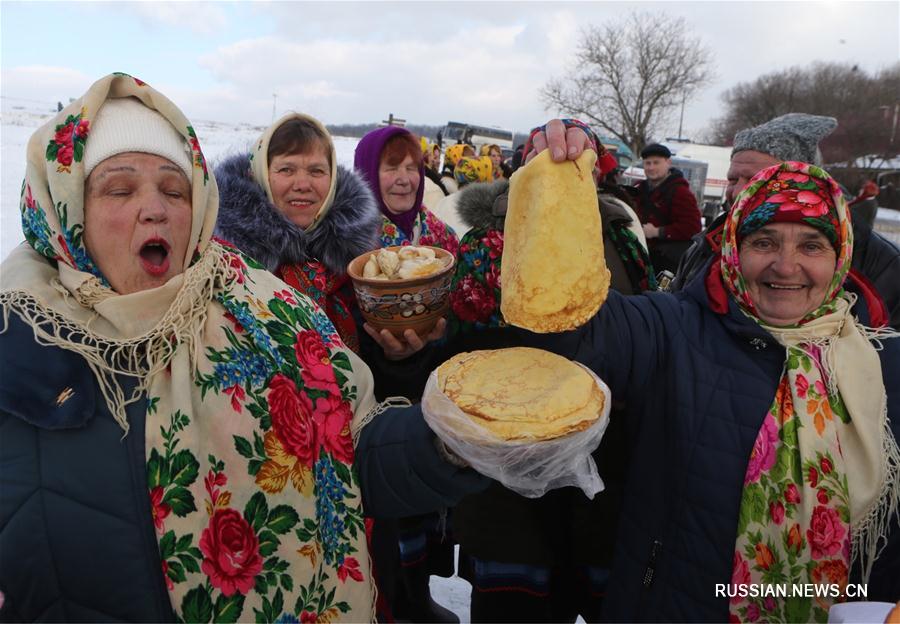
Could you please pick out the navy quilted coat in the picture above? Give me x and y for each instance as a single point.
(77, 541)
(698, 385)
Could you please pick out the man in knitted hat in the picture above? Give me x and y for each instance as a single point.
(795, 136)
(667, 208)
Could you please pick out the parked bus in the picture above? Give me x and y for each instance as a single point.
(457, 132)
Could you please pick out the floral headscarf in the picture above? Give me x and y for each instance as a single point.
(793, 197)
(822, 480)
(455, 152)
(787, 193)
(252, 400)
(470, 170)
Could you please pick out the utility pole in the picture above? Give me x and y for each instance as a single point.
(681, 121)
(274, 99)
(894, 126)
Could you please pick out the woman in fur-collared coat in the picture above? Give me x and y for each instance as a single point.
(290, 206)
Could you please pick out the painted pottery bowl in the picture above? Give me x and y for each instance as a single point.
(400, 304)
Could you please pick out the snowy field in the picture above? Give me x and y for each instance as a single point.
(218, 141)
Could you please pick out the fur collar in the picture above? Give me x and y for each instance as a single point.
(614, 209)
(475, 205)
(248, 220)
(478, 208)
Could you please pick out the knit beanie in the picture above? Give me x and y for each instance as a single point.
(125, 125)
(794, 136)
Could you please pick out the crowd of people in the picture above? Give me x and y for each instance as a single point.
(198, 424)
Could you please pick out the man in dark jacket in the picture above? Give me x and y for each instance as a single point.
(667, 208)
(795, 136)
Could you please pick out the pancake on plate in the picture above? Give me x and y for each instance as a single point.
(522, 394)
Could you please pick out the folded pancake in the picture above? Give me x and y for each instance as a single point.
(522, 393)
(554, 273)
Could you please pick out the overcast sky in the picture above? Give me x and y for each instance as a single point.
(427, 62)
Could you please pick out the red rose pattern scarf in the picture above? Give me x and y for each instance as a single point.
(252, 399)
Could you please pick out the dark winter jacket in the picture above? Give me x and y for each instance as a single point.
(77, 539)
(563, 528)
(249, 221)
(400, 471)
(875, 258)
(697, 385)
(671, 207)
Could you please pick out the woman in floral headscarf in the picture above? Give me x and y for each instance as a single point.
(764, 427)
(774, 339)
(290, 206)
(179, 425)
(498, 169)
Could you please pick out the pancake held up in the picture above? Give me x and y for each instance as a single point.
(553, 283)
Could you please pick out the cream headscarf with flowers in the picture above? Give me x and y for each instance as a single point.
(252, 399)
(823, 480)
(259, 162)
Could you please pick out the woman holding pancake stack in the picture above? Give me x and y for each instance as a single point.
(763, 415)
(546, 558)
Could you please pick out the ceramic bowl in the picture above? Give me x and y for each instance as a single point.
(400, 304)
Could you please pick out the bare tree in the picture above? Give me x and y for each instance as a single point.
(629, 75)
(863, 104)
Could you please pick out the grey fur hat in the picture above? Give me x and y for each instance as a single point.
(794, 136)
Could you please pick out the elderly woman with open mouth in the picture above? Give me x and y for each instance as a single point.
(184, 436)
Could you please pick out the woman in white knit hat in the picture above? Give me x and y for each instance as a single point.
(179, 439)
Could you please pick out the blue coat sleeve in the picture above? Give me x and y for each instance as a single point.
(626, 343)
(400, 471)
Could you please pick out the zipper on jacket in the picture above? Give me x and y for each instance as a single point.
(651, 563)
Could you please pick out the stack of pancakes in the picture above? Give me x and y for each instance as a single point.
(522, 394)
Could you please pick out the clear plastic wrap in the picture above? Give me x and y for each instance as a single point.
(527, 468)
